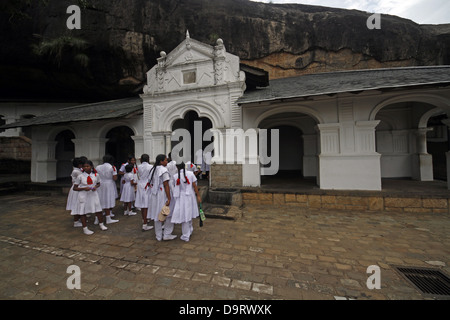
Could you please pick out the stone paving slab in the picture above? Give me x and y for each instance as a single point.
(268, 253)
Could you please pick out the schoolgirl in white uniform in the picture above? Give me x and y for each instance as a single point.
(160, 196)
(132, 161)
(185, 198)
(108, 191)
(143, 189)
(88, 201)
(72, 196)
(128, 195)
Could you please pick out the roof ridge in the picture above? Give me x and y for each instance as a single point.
(367, 70)
(98, 103)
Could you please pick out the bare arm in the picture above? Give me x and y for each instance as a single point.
(76, 188)
(167, 190)
(199, 199)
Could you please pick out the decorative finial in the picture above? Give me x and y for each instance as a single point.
(187, 34)
(163, 54)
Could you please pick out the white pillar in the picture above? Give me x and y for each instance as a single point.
(251, 172)
(156, 144)
(96, 150)
(422, 161)
(168, 143)
(43, 168)
(138, 145)
(344, 168)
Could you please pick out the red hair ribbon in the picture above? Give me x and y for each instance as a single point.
(148, 184)
(89, 180)
(160, 189)
(178, 181)
(114, 168)
(187, 180)
(134, 170)
(192, 165)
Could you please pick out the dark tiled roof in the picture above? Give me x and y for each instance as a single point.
(94, 111)
(347, 81)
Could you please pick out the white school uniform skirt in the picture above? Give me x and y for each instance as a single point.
(107, 192)
(71, 199)
(128, 194)
(185, 208)
(87, 202)
(157, 201)
(142, 195)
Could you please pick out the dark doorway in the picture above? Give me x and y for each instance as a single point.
(120, 144)
(64, 154)
(290, 154)
(188, 123)
(438, 145)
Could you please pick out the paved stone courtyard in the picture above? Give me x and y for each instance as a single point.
(269, 253)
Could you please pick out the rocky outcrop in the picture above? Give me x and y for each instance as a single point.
(125, 38)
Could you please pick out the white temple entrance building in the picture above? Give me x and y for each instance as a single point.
(340, 130)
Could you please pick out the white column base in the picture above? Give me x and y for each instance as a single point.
(350, 172)
(423, 167)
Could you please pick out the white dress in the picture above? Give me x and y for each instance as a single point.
(108, 190)
(87, 201)
(158, 197)
(72, 197)
(185, 201)
(127, 194)
(143, 187)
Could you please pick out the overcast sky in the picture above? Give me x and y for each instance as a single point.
(420, 11)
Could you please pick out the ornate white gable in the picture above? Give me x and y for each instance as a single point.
(193, 65)
(193, 77)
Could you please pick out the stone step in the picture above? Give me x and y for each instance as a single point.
(218, 211)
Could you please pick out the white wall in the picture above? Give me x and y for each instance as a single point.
(89, 141)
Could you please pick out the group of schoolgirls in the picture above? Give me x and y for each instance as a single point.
(167, 184)
(93, 191)
(151, 187)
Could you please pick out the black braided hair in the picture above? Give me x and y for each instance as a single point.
(179, 167)
(158, 161)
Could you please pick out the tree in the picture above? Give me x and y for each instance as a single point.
(63, 50)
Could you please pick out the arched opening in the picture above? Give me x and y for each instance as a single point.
(297, 147)
(120, 144)
(195, 125)
(412, 142)
(64, 154)
(438, 145)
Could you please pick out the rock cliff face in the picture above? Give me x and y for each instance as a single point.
(124, 39)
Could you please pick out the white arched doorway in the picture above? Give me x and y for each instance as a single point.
(402, 135)
(120, 144)
(297, 146)
(196, 127)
